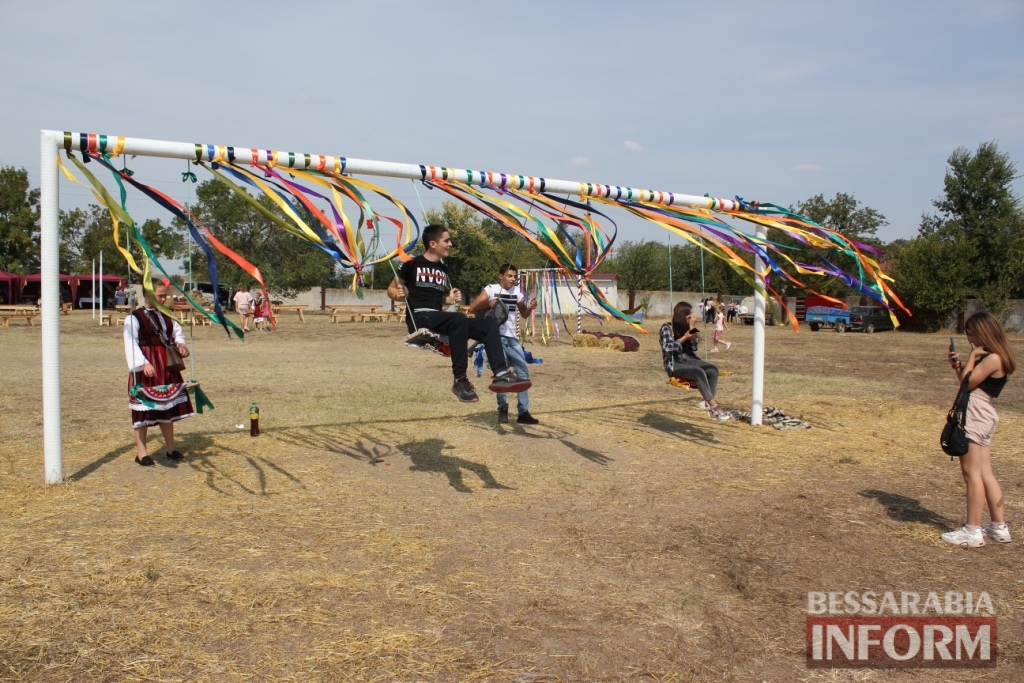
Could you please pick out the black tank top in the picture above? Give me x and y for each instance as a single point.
(993, 386)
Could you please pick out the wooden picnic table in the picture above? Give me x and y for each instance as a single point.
(122, 311)
(9, 311)
(298, 308)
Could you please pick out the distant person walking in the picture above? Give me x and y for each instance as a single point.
(243, 306)
(720, 326)
(990, 364)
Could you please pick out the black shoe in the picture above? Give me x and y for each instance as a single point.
(175, 455)
(464, 390)
(527, 419)
(145, 461)
(509, 383)
(503, 416)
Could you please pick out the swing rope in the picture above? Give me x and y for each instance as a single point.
(186, 177)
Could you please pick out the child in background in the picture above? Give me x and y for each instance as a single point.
(720, 327)
(261, 313)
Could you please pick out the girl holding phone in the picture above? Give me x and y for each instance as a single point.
(990, 364)
(680, 340)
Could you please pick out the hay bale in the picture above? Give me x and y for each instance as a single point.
(584, 340)
(615, 344)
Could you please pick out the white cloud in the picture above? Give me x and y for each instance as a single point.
(581, 161)
(807, 168)
(634, 147)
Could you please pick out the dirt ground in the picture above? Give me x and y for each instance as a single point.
(379, 530)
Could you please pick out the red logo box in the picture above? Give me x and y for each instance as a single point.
(901, 642)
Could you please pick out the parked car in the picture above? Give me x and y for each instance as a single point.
(870, 319)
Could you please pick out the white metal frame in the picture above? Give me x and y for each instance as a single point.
(52, 141)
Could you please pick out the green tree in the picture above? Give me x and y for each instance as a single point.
(19, 222)
(639, 266)
(842, 213)
(981, 214)
(288, 264)
(84, 233)
(930, 276)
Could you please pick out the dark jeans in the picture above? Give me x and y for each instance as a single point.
(460, 330)
(704, 374)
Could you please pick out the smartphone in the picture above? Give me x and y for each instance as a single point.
(952, 344)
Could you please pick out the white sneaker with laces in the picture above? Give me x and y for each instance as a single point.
(964, 538)
(996, 533)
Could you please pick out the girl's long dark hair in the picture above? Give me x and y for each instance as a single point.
(680, 324)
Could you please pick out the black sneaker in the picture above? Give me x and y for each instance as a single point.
(509, 383)
(503, 416)
(464, 390)
(527, 419)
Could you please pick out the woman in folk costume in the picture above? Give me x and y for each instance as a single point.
(157, 395)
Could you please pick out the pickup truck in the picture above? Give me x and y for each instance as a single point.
(817, 317)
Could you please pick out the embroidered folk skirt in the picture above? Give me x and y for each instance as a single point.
(163, 398)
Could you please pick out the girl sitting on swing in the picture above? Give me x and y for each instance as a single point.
(680, 340)
(147, 332)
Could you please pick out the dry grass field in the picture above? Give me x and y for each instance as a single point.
(379, 530)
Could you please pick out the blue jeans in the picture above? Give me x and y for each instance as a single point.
(516, 358)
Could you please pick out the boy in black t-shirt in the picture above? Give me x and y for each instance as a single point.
(423, 284)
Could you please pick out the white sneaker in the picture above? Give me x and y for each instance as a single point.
(703, 405)
(728, 345)
(964, 538)
(1001, 534)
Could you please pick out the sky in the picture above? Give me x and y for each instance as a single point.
(770, 101)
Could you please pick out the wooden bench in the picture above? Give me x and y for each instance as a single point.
(106, 319)
(29, 313)
(351, 312)
(298, 308)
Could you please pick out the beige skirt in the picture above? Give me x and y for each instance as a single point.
(981, 418)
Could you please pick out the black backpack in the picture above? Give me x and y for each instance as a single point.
(954, 434)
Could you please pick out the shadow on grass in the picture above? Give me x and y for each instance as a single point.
(544, 432)
(679, 429)
(202, 454)
(103, 460)
(904, 509)
(427, 456)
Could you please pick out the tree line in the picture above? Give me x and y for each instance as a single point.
(971, 246)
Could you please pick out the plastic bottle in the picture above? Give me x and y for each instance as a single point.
(254, 419)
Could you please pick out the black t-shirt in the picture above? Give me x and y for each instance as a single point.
(427, 282)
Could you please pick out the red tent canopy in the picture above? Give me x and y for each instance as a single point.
(70, 280)
(85, 280)
(12, 280)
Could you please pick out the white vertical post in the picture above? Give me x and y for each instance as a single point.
(49, 253)
(92, 292)
(757, 388)
(579, 305)
(101, 288)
